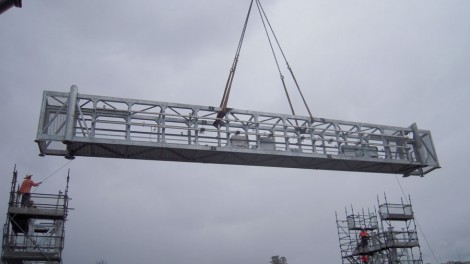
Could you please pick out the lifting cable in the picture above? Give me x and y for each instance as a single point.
(45, 179)
(417, 223)
(263, 18)
(228, 85)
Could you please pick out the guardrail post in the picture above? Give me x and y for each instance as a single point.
(71, 105)
(419, 149)
(70, 119)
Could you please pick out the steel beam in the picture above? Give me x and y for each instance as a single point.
(73, 124)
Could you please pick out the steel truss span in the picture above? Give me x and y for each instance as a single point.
(73, 124)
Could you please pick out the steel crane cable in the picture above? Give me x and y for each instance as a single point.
(228, 85)
(263, 18)
(419, 226)
(45, 179)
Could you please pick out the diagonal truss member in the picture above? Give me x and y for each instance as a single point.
(73, 124)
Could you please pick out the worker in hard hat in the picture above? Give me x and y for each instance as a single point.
(25, 190)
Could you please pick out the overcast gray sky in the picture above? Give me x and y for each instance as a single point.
(385, 62)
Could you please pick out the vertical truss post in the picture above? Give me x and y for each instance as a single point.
(69, 126)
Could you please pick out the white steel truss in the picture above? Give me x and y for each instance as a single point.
(73, 124)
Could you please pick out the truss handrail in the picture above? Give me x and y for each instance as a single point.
(129, 128)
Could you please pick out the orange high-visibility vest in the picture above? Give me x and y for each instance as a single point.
(363, 233)
(26, 186)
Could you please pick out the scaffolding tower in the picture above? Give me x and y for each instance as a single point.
(399, 232)
(386, 237)
(34, 233)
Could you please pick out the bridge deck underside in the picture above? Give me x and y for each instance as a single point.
(236, 156)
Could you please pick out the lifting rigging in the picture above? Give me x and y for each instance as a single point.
(269, 34)
(73, 124)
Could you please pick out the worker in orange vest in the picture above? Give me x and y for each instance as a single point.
(364, 238)
(25, 189)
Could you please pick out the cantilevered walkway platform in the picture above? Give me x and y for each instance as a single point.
(73, 124)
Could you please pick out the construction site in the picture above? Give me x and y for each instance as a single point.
(155, 181)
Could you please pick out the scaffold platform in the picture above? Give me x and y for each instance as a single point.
(389, 236)
(73, 124)
(34, 230)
